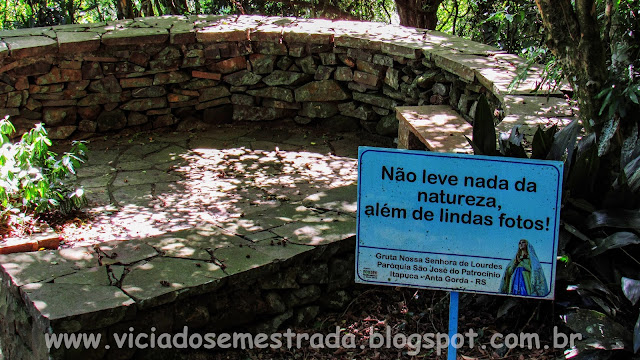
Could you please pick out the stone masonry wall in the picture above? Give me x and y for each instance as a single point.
(290, 292)
(191, 71)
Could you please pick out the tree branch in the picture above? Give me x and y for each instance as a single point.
(573, 36)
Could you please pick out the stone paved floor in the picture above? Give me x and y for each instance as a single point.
(250, 179)
(197, 209)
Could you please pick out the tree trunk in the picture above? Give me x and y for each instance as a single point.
(125, 9)
(573, 35)
(418, 13)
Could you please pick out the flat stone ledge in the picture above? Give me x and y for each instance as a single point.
(467, 59)
(71, 307)
(439, 127)
(87, 288)
(42, 266)
(528, 112)
(169, 292)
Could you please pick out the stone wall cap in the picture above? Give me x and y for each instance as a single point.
(30, 46)
(78, 41)
(537, 105)
(24, 32)
(63, 301)
(529, 123)
(471, 61)
(135, 36)
(32, 267)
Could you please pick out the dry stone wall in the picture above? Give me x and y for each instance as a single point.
(192, 71)
(83, 299)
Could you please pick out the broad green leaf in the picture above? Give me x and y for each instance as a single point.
(484, 133)
(564, 142)
(616, 218)
(631, 289)
(609, 130)
(475, 148)
(630, 147)
(495, 17)
(632, 172)
(563, 145)
(608, 91)
(542, 141)
(597, 329)
(577, 233)
(516, 151)
(633, 97)
(66, 161)
(616, 240)
(6, 127)
(587, 160)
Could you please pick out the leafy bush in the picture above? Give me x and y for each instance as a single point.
(599, 243)
(32, 178)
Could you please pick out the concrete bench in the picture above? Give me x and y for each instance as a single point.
(433, 127)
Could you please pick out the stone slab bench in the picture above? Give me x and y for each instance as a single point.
(435, 128)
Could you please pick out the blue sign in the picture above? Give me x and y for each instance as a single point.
(458, 222)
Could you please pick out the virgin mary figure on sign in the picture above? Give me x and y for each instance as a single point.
(524, 276)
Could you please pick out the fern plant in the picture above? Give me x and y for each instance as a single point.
(32, 178)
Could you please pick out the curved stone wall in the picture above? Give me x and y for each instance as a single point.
(190, 71)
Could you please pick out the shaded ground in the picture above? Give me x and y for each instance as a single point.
(244, 178)
(409, 311)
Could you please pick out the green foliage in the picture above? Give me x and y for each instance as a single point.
(454, 16)
(620, 96)
(376, 10)
(484, 136)
(510, 25)
(599, 247)
(24, 14)
(32, 178)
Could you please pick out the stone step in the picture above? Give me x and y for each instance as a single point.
(43, 238)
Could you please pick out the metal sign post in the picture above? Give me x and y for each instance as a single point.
(453, 324)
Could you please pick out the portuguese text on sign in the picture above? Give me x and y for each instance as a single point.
(458, 222)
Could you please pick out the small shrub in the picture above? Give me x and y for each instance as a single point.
(32, 178)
